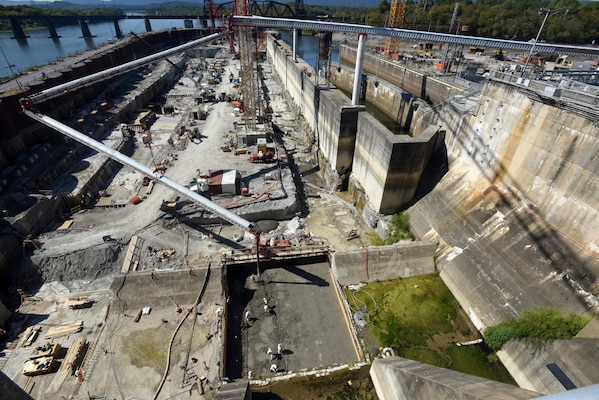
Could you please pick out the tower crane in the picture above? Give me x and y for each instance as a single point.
(396, 20)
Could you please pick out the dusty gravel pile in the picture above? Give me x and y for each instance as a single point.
(91, 263)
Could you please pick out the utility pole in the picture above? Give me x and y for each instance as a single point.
(548, 12)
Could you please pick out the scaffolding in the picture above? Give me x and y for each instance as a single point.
(250, 96)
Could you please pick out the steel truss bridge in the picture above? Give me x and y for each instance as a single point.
(480, 42)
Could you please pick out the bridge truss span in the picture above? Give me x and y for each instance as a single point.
(487, 43)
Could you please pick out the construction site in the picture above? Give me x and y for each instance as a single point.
(191, 218)
(144, 292)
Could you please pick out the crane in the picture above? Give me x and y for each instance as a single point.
(396, 20)
(215, 18)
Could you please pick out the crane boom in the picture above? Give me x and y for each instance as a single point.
(56, 91)
(154, 174)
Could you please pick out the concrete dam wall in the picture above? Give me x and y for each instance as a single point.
(545, 153)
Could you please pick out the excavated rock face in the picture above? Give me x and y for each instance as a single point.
(91, 263)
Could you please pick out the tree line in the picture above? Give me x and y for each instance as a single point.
(569, 21)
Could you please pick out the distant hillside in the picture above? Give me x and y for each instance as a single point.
(150, 3)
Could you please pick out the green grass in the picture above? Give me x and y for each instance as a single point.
(418, 318)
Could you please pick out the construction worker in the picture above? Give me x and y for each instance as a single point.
(247, 316)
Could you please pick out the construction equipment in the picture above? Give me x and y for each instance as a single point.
(396, 20)
(215, 18)
(262, 157)
(30, 242)
(46, 350)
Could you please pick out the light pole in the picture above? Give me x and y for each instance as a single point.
(9, 65)
(547, 12)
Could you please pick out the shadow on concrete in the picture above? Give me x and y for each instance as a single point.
(238, 298)
(435, 170)
(313, 279)
(265, 396)
(18, 323)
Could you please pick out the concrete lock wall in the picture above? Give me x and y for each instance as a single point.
(337, 124)
(298, 84)
(386, 167)
(546, 153)
(400, 260)
(419, 83)
(389, 166)
(392, 100)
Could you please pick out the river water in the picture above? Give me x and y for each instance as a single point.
(38, 49)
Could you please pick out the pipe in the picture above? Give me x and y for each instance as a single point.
(295, 45)
(111, 72)
(355, 97)
(154, 174)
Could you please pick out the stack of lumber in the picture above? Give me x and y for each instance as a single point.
(74, 355)
(78, 302)
(64, 329)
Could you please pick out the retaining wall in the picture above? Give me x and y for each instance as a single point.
(400, 260)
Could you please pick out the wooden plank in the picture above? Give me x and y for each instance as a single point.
(150, 188)
(64, 329)
(137, 316)
(65, 225)
(30, 335)
(129, 254)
